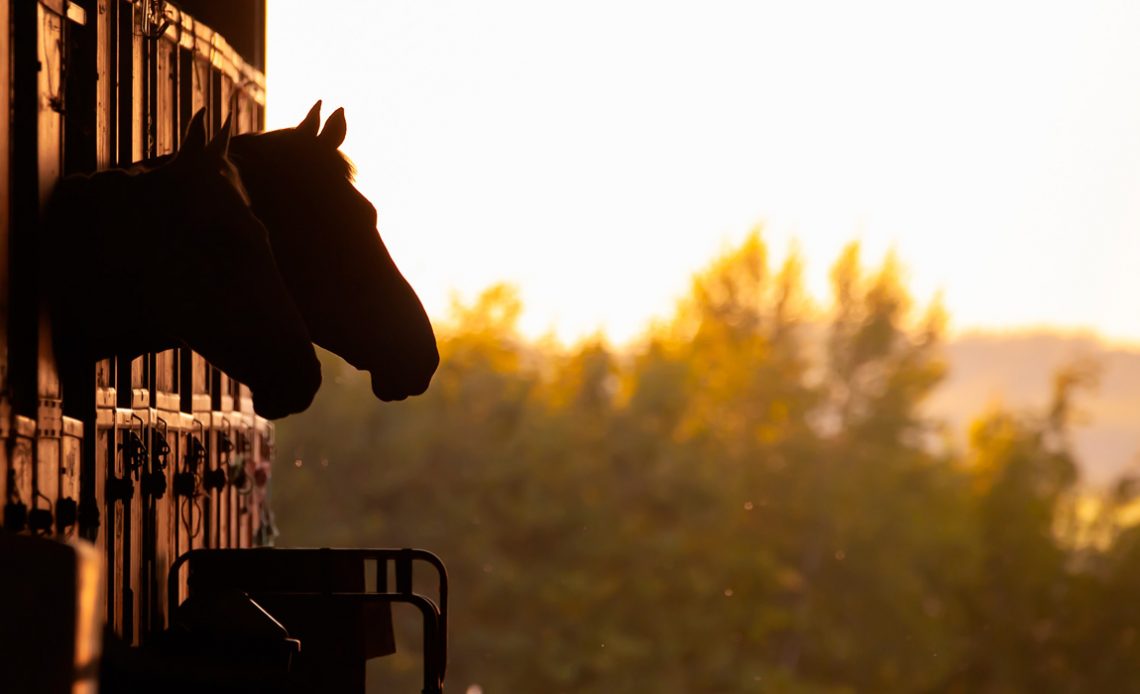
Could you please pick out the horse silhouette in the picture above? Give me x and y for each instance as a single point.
(177, 257)
(353, 298)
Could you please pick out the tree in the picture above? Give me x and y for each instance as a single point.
(748, 499)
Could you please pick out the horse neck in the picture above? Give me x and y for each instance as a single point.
(111, 214)
(101, 237)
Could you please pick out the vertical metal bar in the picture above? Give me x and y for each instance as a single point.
(5, 206)
(123, 94)
(86, 387)
(404, 571)
(5, 250)
(23, 207)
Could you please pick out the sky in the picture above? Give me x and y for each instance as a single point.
(597, 153)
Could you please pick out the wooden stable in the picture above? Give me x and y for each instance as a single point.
(138, 465)
(145, 457)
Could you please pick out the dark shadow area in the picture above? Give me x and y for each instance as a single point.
(184, 223)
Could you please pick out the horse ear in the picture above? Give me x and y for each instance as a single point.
(335, 128)
(194, 141)
(220, 145)
(312, 121)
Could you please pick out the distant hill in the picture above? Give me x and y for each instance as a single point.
(1016, 370)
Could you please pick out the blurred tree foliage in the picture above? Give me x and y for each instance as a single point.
(746, 501)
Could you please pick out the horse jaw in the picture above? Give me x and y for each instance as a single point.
(389, 385)
(273, 402)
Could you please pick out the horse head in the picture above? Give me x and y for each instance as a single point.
(352, 296)
(192, 265)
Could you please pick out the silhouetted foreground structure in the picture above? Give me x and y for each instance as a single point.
(109, 474)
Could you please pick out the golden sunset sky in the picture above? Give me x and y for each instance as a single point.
(596, 153)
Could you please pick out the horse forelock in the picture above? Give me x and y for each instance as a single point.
(227, 169)
(231, 174)
(319, 151)
(329, 160)
(346, 166)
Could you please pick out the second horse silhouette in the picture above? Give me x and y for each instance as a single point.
(178, 251)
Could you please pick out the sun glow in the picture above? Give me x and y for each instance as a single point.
(598, 153)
